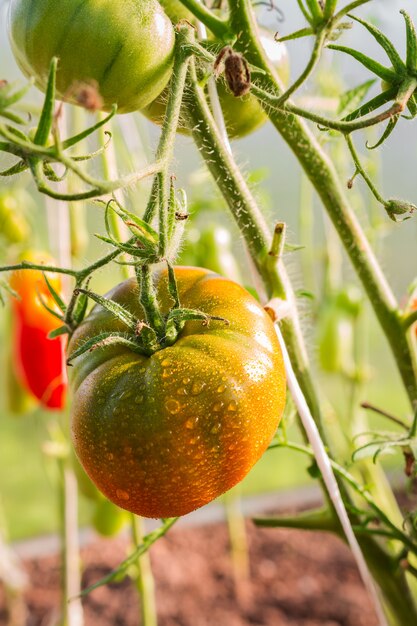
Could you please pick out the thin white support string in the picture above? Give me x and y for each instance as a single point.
(310, 427)
(324, 464)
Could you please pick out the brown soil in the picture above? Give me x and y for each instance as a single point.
(296, 579)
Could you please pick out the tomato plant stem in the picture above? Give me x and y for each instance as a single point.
(253, 227)
(144, 580)
(109, 165)
(322, 174)
(169, 129)
(72, 612)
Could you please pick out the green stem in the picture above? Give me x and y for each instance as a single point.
(314, 59)
(254, 229)
(218, 27)
(72, 613)
(360, 170)
(149, 300)
(144, 580)
(237, 535)
(166, 144)
(323, 176)
(109, 165)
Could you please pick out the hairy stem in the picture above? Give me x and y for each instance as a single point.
(323, 176)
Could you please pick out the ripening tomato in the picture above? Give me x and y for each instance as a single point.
(126, 48)
(39, 361)
(15, 398)
(242, 115)
(163, 435)
(107, 518)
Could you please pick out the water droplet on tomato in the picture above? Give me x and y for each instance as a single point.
(122, 495)
(172, 406)
(190, 424)
(165, 363)
(218, 406)
(232, 406)
(197, 388)
(221, 388)
(216, 428)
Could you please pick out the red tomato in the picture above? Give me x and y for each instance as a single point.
(38, 360)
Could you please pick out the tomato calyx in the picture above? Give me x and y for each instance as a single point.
(141, 337)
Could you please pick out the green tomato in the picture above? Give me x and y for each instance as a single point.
(108, 519)
(211, 246)
(14, 227)
(126, 48)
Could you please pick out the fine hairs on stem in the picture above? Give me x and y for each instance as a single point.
(310, 427)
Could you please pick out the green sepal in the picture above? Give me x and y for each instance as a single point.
(412, 107)
(17, 132)
(372, 104)
(388, 130)
(80, 308)
(72, 141)
(140, 229)
(351, 99)
(51, 175)
(47, 307)
(411, 42)
(185, 315)
(145, 255)
(4, 285)
(48, 110)
(62, 330)
(384, 42)
(56, 297)
(385, 73)
(17, 168)
(106, 339)
(298, 34)
(148, 337)
(7, 97)
(173, 286)
(95, 153)
(12, 117)
(116, 309)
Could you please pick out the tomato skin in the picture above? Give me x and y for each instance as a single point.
(39, 361)
(163, 435)
(126, 47)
